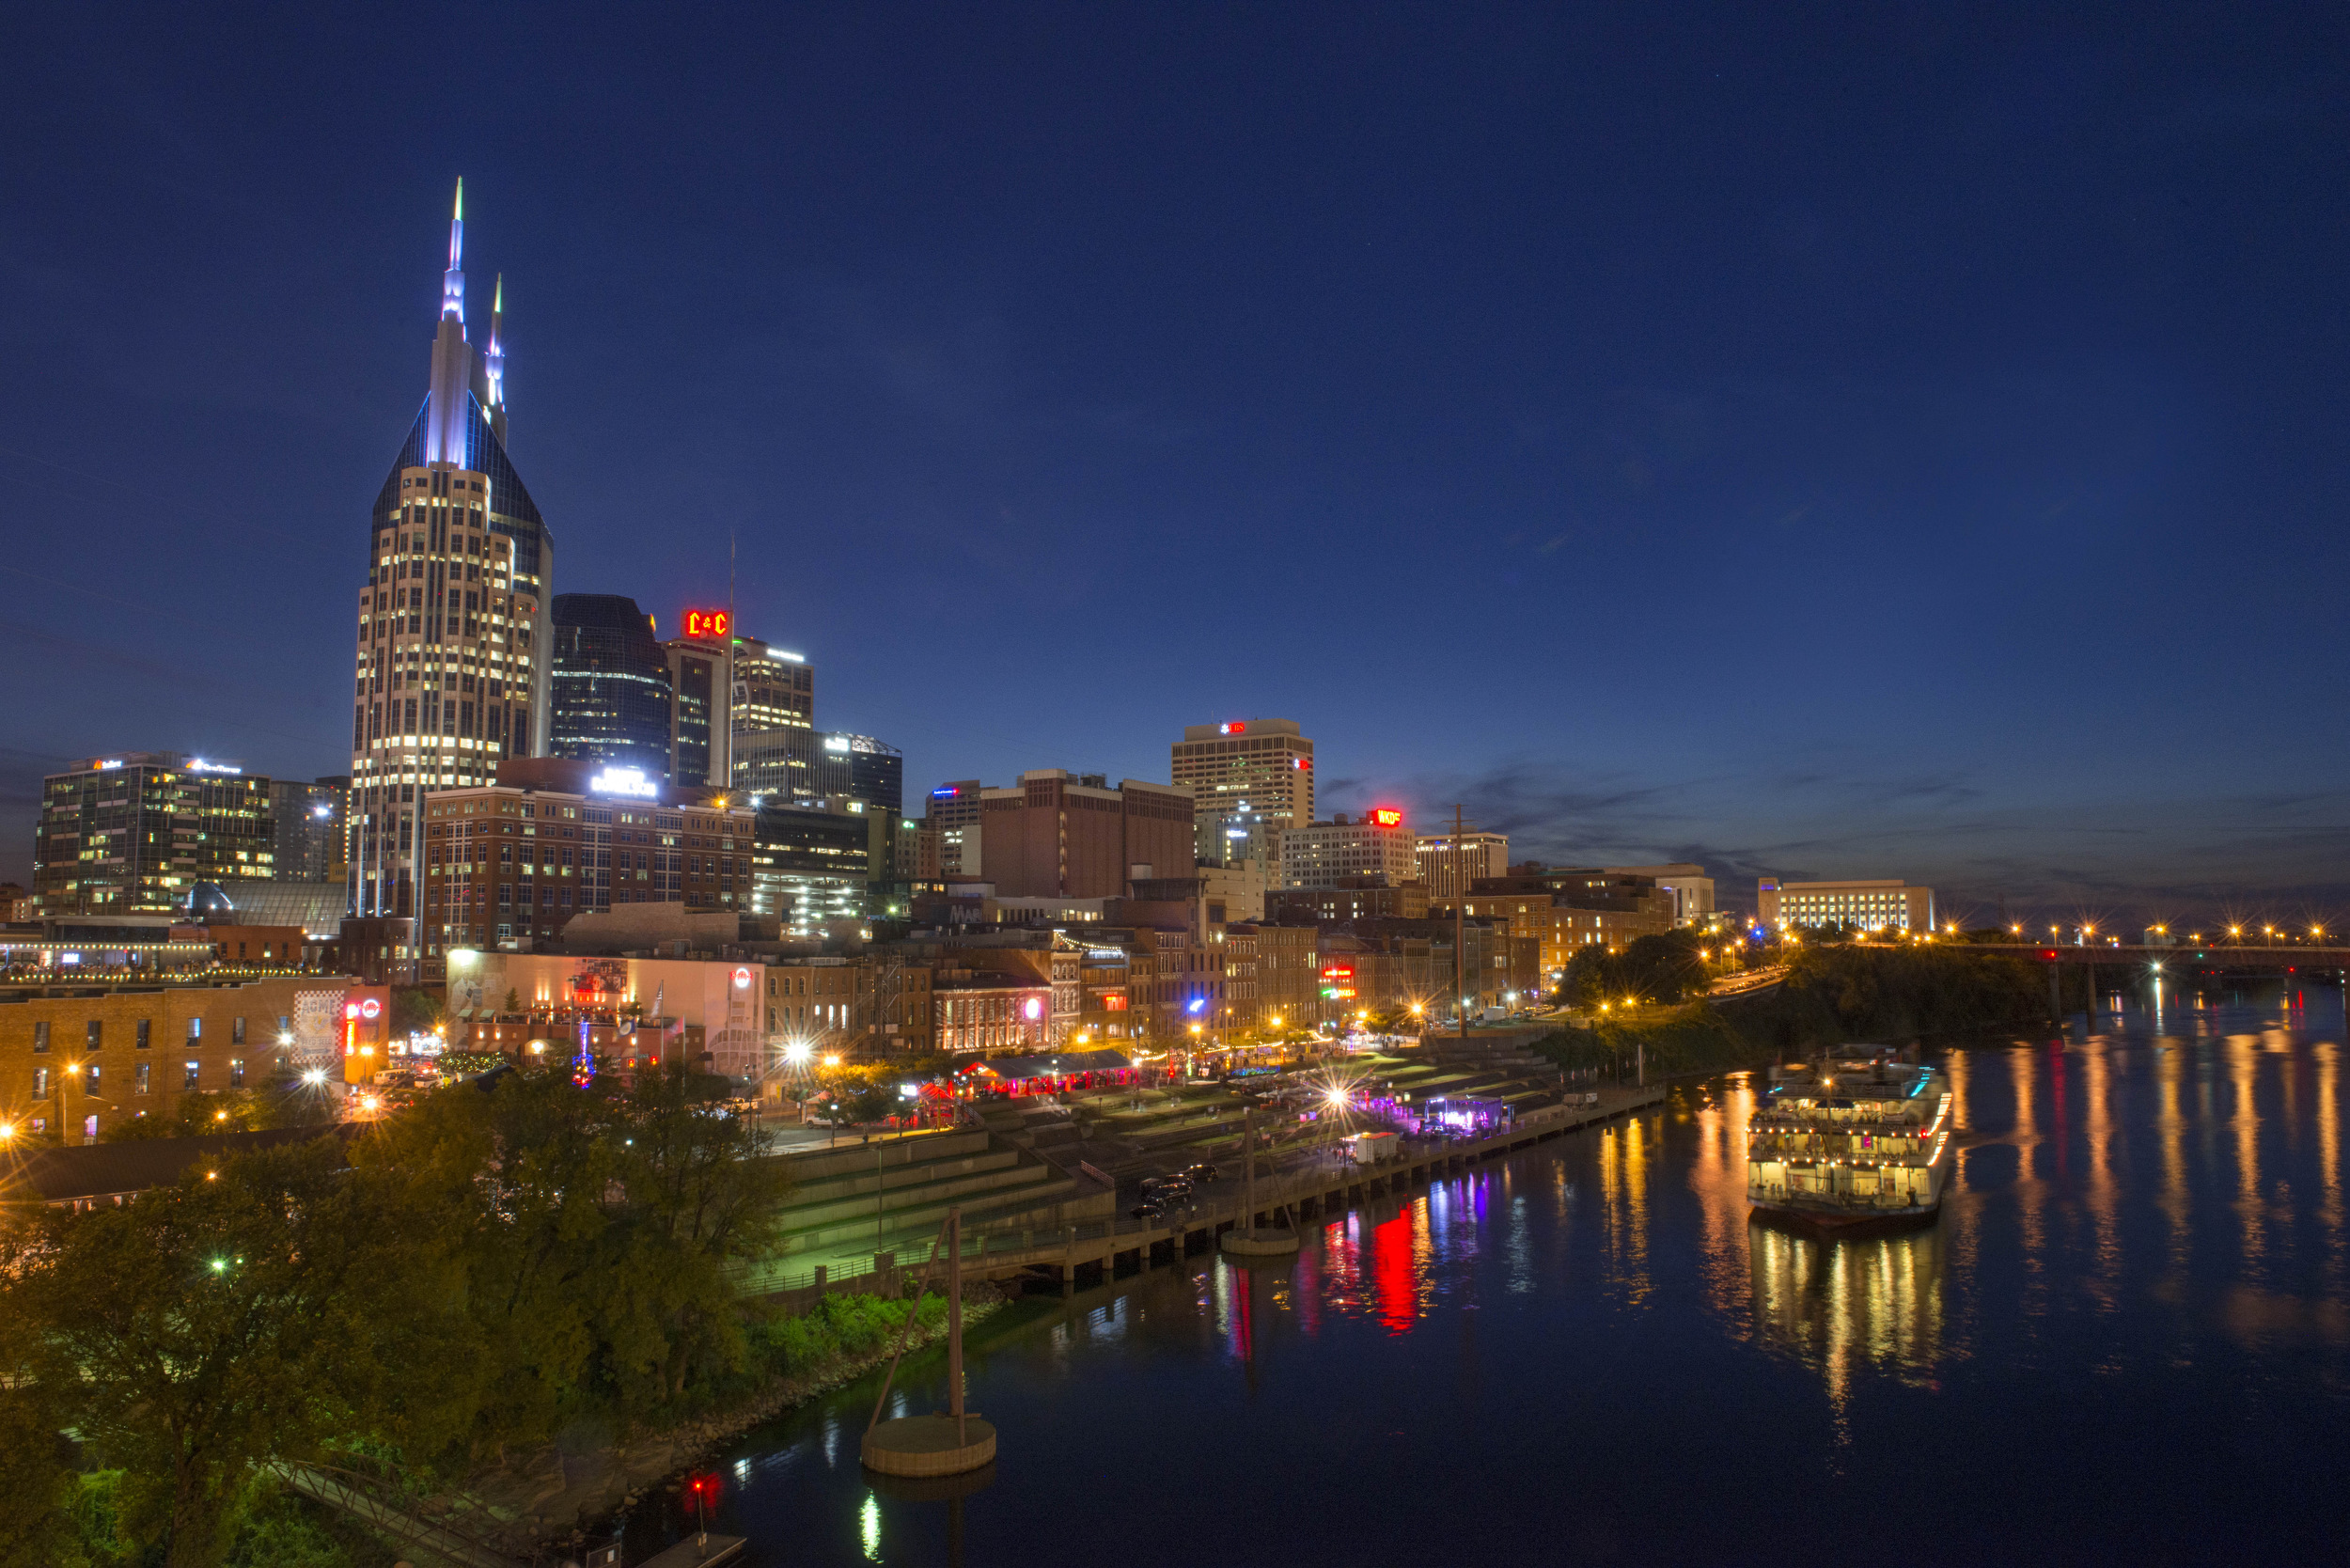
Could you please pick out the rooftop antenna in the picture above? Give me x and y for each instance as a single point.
(726, 779)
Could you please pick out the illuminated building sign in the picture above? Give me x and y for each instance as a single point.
(198, 764)
(1385, 816)
(947, 793)
(742, 979)
(1033, 1008)
(708, 623)
(1234, 729)
(836, 743)
(624, 781)
(1337, 981)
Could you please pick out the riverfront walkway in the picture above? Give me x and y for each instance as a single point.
(1310, 1190)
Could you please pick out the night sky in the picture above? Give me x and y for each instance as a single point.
(1896, 441)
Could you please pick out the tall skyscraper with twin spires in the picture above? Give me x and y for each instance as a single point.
(454, 640)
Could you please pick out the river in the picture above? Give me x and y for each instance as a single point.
(2126, 1340)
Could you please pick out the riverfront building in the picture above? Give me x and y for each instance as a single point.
(75, 1063)
(1870, 905)
(453, 629)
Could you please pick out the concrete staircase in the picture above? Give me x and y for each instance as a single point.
(890, 1195)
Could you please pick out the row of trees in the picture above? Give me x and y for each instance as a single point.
(1664, 967)
(488, 1268)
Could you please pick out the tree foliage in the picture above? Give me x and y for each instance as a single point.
(263, 1310)
(1870, 992)
(493, 1263)
(599, 1228)
(1663, 967)
(227, 1110)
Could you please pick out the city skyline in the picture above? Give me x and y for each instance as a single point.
(1842, 561)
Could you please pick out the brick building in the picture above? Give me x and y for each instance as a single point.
(1057, 835)
(518, 858)
(75, 1065)
(1355, 897)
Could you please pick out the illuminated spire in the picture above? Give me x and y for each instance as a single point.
(453, 363)
(494, 359)
(453, 281)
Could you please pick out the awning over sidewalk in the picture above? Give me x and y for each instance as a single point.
(1056, 1064)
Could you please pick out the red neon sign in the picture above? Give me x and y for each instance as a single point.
(708, 623)
(1339, 971)
(1387, 816)
(1235, 728)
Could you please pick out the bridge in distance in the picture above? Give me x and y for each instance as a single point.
(2186, 959)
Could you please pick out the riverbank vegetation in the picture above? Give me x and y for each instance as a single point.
(1831, 994)
(497, 1266)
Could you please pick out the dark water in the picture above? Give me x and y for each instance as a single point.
(2126, 1341)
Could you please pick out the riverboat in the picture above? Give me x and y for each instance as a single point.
(1856, 1143)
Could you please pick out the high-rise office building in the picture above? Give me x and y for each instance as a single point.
(863, 769)
(453, 621)
(814, 863)
(773, 717)
(133, 833)
(698, 711)
(774, 689)
(1448, 864)
(307, 829)
(1376, 845)
(609, 685)
(1250, 780)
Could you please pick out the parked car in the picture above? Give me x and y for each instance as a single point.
(1202, 1172)
(1165, 1189)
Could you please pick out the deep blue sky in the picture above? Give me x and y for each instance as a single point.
(1904, 440)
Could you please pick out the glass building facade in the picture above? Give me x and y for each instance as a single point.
(610, 685)
(863, 769)
(135, 834)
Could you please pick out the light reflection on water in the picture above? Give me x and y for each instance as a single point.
(2142, 1250)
